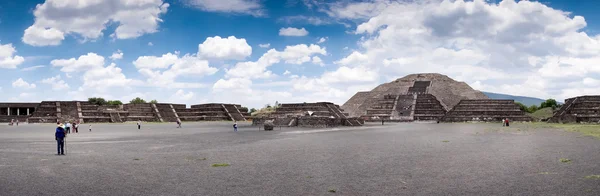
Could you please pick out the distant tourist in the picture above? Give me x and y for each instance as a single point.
(234, 126)
(75, 127)
(12, 121)
(504, 122)
(90, 128)
(507, 123)
(139, 124)
(60, 135)
(68, 127)
(178, 123)
(382, 121)
(17, 122)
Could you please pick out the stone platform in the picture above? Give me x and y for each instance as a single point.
(319, 114)
(579, 109)
(492, 110)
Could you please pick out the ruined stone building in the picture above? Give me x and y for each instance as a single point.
(578, 109)
(83, 111)
(429, 96)
(320, 114)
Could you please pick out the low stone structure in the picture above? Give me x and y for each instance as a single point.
(320, 114)
(82, 111)
(493, 110)
(578, 109)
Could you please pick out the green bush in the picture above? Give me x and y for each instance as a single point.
(114, 102)
(154, 101)
(137, 100)
(97, 101)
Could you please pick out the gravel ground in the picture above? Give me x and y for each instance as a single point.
(394, 159)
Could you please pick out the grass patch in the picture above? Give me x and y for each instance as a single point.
(331, 190)
(541, 114)
(584, 129)
(195, 159)
(595, 177)
(546, 173)
(445, 141)
(565, 160)
(309, 177)
(136, 159)
(220, 165)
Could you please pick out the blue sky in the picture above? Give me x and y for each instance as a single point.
(542, 49)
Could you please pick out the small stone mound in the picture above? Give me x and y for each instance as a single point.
(269, 125)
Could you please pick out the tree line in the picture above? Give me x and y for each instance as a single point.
(102, 101)
(549, 103)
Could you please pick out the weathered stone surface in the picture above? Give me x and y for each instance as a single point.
(448, 91)
(582, 109)
(269, 125)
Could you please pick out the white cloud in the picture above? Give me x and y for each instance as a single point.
(83, 63)
(496, 46)
(20, 83)
(317, 60)
(287, 73)
(54, 19)
(297, 54)
(291, 31)
(250, 7)
(8, 59)
(103, 78)
(322, 40)
(56, 82)
(153, 68)
(267, 45)
(232, 84)
(224, 48)
(181, 96)
(117, 55)
(32, 68)
(150, 44)
(305, 20)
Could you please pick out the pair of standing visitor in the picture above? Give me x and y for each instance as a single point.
(505, 122)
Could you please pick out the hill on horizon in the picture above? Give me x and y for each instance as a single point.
(528, 101)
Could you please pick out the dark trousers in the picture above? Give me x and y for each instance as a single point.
(139, 126)
(68, 129)
(60, 146)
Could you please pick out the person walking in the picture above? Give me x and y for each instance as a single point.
(507, 123)
(178, 123)
(17, 122)
(60, 136)
(234, 126)
(68, 127)
(76, 127)
(90, 128)
(139, 124)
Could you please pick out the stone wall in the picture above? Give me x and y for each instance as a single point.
(582, 109)
(307, 121)
(485, 110)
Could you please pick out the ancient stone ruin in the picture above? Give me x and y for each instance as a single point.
(578, 109)
(83, 111)
(493, 110)
(429, 97)
(320, 114)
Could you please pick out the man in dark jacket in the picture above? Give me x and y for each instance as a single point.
(60, 139)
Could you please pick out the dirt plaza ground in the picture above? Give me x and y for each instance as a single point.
(208, 158)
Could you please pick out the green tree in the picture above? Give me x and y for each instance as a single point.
(97, 101)
(533, 108)
(549, 103)
(154, 101)
(137, 100)
(252, 110)
(522, 107)
(114, 102)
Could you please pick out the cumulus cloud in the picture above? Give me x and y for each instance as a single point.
(297, 54)
(56, 82)
(181, 96)
(82, 63)
(54, 19)
(300, 19)
(8, 59)
(521, 48)
(163, 71)
(117, 55)
(317, 60)
(22, 84)
(150, 44)
(250, 7)
(96, 76)
(291, 31)
(230, 48)
(267, 45)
